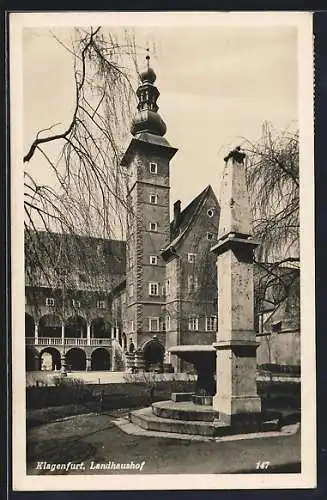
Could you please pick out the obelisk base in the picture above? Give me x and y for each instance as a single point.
(236, 398)
(238, 409)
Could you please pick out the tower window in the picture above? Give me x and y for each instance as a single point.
(192, 283)
(101, 304)
(76, 303)
(167, 323)
(153, 288)
(153, 168)
(153, 226)
(193, 323)
(153, 260)
(209, 236)
(191, 258)
(154, 199)
(131, 290)
(210, 212)
(132, 325)
(50, 302)
(167, 287)
(211, 323)
(153, 324)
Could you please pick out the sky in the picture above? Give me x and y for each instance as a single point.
(217, 84)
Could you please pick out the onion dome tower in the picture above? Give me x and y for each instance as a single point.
(147, 125)
(147, 163)
(147, 118)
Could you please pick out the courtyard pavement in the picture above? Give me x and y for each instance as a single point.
(94, 439)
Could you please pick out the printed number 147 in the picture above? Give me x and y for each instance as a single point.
(262, 465)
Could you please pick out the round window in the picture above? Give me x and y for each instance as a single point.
(210, 212)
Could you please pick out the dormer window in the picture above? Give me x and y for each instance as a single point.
(153, 260)
(154, 199)
(153, 168)
(191, 258)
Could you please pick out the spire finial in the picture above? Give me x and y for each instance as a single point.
(147, 57)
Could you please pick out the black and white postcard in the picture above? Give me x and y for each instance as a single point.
(163, 332)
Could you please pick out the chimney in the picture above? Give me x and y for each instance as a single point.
(177, 212)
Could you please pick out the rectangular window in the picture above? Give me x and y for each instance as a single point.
(193, 323)
(153, 288)
(167, 323)
(153, 260)
(153, 226)
(167, 287)
(131, 290)
(101, 304)
(191, 258)
(209, 236)
(192, 283)
(132, 325)
(211, 323)
(153, 168)
(50, 302)
(153, 324)
(76, 303)
(154, 199)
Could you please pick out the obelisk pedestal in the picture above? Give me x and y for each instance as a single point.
(236, 398)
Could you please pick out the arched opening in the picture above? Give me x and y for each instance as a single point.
(50, 359)
(29, 326)
(124, 340)
(76, 360)
(50, 326)
(100, 329)
(100, 360)
(154, 353)
(32, 360)
(75, 328)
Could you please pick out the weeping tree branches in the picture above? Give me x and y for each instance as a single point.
(87, 193)
(272, 171)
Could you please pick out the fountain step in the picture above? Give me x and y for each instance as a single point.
(145, 419)
(184, 411)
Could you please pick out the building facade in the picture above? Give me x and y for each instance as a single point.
(154, 291)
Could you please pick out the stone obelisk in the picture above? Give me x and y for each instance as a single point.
(236, 399)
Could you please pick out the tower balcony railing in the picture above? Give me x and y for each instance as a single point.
(67, 341)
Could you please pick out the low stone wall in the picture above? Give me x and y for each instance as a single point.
(126, 395)
(282, 348)
(49, 378)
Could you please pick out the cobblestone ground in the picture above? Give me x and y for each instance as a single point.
(91, 439)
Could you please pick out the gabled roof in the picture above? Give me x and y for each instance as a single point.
(187, 217)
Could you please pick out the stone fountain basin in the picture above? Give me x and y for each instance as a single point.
(203, 358)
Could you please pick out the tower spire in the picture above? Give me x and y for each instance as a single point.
(148, 57)
(147, 118)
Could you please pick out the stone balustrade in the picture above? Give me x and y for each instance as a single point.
(58, 341)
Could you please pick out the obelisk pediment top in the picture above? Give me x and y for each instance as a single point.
(235, 215)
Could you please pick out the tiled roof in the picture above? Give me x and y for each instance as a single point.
(187, 216)
(74, 253)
